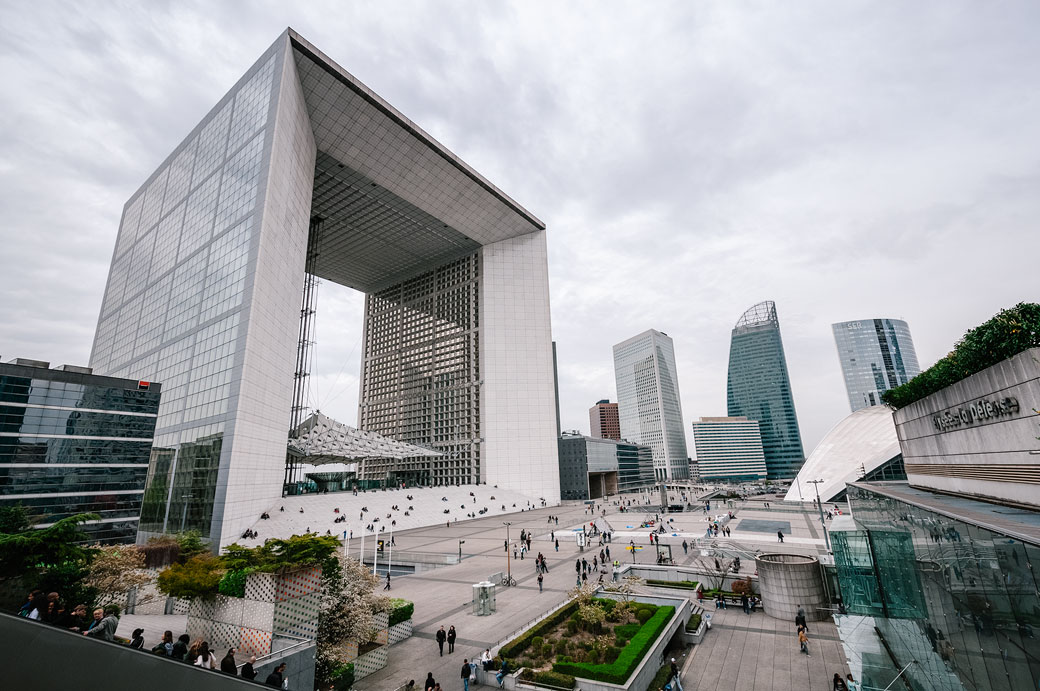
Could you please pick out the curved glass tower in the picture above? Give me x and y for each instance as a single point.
(876, 355)
(759, 388)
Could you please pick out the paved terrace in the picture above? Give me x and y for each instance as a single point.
(741, 652)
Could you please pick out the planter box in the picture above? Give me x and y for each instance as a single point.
(401, 631)
(693, 638)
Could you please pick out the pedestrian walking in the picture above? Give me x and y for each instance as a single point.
(466, 672)
(540, 582)
(803, 640)
(577, 565)
(430, 682)
(780, 536)
(607, 549)
(839, 683)
(851, 683)
(799, 618)
(387, 586)
(451, 639)
(745, 602)
(676, 681)
(685, 547)
(442, 636)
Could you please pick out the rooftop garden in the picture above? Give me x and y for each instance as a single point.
(1007, 334)
(591, 638)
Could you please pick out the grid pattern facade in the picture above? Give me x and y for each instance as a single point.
(876, 355)
(75, 443)
(649, 411)
(204, 294)
(759, 388)
(421, 374)
(729, 449)
(603, 420)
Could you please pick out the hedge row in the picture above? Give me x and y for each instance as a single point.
(554, 679)
(687, 585)
(694, 623)
(401, 610)
(621, 669)
(1007, 334)
(523, 641)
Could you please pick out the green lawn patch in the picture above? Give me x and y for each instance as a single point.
(686, 585)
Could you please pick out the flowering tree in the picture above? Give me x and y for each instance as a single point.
(114, 571)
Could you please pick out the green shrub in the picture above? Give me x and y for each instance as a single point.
(199, 577)
(553, 679)
(521, 642)
(611, 654)
(694, 623)
(561, 646)
(625, 632)
(661, 678)
(547, 650)
(685, 585)
(621, 669)
(536, 642)
(643, 615)
(1008, 333)
(400, 610)
(343, 677)
(233, 584)
(572, 627)
(607, 605)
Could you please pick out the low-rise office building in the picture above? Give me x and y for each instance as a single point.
(73, 442)
(592, 468)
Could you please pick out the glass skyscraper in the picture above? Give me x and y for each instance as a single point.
(648, 401)
(72, 442)
(876, 355)
(759, 388)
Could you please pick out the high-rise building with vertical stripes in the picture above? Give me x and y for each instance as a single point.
(759, 388)
(729, 448)
(876, 355)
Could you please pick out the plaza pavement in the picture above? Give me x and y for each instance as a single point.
(738, 652)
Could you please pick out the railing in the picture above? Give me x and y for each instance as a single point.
(301, 641)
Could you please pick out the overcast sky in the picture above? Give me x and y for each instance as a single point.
(847, 160)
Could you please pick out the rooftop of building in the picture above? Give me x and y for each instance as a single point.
(1015, 522)
(757, 315)
(75, 374)
(738, 418)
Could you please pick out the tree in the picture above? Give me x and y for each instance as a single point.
(199, 577)
(626, 587)
(114, 570)
(14, 519)
(33, 551)
(716, 569)
(348, 603)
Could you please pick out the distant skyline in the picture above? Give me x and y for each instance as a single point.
(689, 159)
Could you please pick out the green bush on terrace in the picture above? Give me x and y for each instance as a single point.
(521, 642)
(687, 585)
(400, 610)
(631, 655)
(1008, 333)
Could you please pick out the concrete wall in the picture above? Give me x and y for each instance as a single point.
(991, 455)
(788, 580)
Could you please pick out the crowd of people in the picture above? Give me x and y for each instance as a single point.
(50, 609)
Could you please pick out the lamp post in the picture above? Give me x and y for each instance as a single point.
(509, 571)
(819, 505)
(461, 543)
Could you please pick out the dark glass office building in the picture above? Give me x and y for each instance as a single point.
(759, 388)
(72, 442)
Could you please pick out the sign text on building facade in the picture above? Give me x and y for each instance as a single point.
(977, 411)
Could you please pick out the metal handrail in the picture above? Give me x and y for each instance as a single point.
(303, 640)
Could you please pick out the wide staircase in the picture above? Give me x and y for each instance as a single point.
(386, 510)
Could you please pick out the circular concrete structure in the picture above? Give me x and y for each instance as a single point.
(789, 580)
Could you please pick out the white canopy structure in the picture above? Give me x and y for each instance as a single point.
(856, 447)
(320, 440)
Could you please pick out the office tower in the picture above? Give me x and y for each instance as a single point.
(649, 411)
(759, 388)
(592, 468)
(73, 442)
(302, 173)
(603, 420)
(729, 448)
(876, 355)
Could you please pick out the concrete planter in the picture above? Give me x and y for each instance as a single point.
(401, 631)
(693, 638)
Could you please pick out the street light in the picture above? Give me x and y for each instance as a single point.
(461, 543)
(509, 565)
(819, 505)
